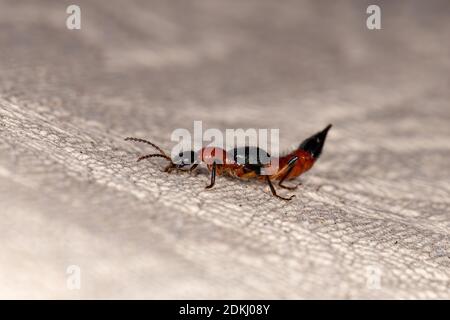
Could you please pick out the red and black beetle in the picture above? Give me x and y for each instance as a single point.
(240, 162)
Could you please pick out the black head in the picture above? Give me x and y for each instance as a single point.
(185, 158)
(314, 144)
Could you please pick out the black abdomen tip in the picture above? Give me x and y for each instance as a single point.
(314, 144)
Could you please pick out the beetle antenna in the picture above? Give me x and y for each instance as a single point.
(154, 155)
(148, 142)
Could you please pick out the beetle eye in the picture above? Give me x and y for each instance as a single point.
(185, 158)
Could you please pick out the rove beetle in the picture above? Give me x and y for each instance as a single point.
(240, 162)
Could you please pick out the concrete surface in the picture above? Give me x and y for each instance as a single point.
(372, 219)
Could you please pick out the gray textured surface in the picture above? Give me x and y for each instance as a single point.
(71, 192)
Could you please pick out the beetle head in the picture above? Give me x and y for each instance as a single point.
(185, 158)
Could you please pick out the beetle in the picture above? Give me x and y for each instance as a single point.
(247, 162)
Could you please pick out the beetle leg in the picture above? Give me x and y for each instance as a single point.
(289, 187)
(274, 192)
(169, 168)
(193, 167)
(290, 167)
(213, 176)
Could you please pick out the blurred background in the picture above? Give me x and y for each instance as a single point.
(371, 220)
